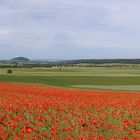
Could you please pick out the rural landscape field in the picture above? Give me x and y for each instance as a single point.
(69, 103)
(112, 78)
(69, 70)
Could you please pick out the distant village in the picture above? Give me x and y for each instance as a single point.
(26, 62)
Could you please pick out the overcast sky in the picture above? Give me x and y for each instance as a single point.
(69, 29)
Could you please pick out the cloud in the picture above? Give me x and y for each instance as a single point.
(5, 32)
(40, 28)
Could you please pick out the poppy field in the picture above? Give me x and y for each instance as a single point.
(41, 112)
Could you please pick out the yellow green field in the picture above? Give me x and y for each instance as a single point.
(107, 78)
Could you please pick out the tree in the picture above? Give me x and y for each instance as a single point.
(9, 71)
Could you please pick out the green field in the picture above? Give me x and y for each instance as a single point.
(107, 78)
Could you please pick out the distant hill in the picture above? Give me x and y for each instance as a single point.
(104, 61)
(23, 61)
(20, 59)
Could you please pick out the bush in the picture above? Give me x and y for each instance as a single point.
(9, 71)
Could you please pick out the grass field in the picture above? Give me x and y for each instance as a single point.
(107, 78)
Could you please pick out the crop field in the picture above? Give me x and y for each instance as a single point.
(41, 112)
(99, 78)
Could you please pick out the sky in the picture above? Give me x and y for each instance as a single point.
(69, 29)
